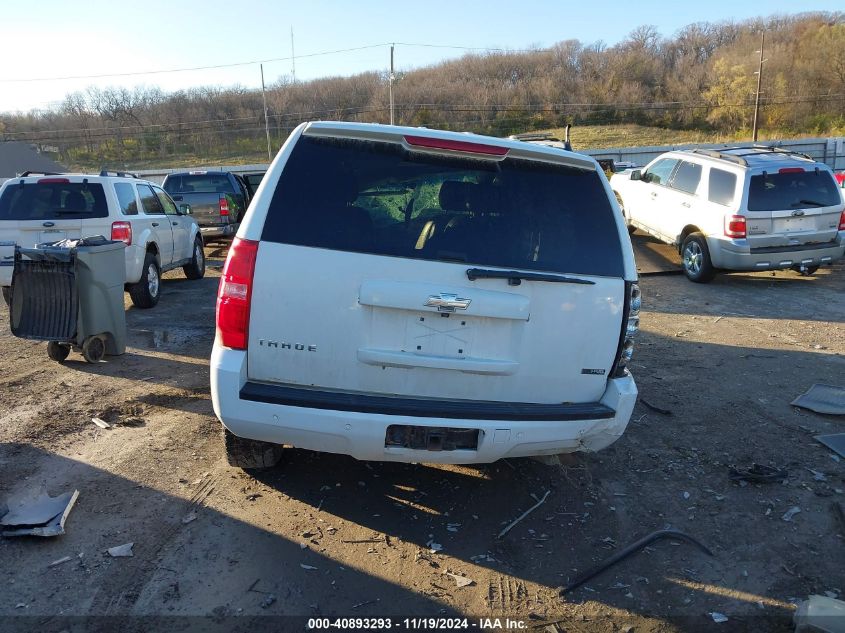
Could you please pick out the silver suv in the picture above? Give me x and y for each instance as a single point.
(745, 208)
(159, 236)
(406, 294)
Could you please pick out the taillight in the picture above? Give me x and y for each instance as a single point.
(224, 205)
(52, 181)
(842, 221)
(631, 326)
(791, 170)
(235, 292)
(735, 226)
(122, 232)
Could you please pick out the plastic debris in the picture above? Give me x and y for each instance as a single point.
(718, 617)
(38, 514)
(121, 551)
(820, 613)
(827, 399)
(101, 423)
(60, 561)
(835, 442)
(460, 581)
(787, 516)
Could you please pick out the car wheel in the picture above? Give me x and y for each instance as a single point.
(805, 271)
(250, 454)
(57, 351)
(7, 295)
(146, 292)
(196, 269)
(695, 259)
(628, 224)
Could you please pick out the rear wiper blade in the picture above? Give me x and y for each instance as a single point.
(515, 277)
(815, 202)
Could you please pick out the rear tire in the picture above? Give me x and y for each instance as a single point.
(146, 292)
(695, 259)
(196, 269)
(57, 352)
(250, 454)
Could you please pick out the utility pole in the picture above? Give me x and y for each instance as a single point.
(266, 120)
(759, 74)
(391, 84)
(292, 57)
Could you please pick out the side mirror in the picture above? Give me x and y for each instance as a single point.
(637, 175)
(185, 209)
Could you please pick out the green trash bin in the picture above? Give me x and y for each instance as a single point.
(70, 294)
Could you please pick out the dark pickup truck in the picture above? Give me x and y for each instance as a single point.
(217, 200)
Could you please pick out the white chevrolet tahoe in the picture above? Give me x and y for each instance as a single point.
(406, 294)
(47, 208)
(751, 208)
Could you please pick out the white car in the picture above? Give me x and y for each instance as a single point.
(50, 207)
(406, 294)
(752, 208)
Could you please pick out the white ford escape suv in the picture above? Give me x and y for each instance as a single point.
(745, 208)
(406, 294)
(36, 208)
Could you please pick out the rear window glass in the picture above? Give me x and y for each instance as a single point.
(722, 186)
(378, 198)
(201, 183)
(53, 201)
(792, 190)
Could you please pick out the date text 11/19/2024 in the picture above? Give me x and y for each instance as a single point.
(417, 624)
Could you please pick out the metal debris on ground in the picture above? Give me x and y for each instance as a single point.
(827, 399)
(632, 548)
(121, 551)
(37, 514)
(834, 441)
(656, 409)
(759, 474)
(101, 423)
(523, 515)
(787, 516)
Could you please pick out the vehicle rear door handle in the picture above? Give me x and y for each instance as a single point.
(155, 223)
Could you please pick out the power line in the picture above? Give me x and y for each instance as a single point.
(181, 70)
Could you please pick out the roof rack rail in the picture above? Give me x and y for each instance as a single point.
(39, 173)
(714, 153)
(119, 174)
(771, 148)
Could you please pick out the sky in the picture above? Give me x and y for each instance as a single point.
(52, 40)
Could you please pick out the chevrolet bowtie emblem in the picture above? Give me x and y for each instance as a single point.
(447, 302)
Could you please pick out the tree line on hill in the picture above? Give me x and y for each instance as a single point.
(701, 78)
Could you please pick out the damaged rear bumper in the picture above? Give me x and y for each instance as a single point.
(356, 427)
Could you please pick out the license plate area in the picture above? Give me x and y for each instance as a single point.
(429, 438)
(794, 225)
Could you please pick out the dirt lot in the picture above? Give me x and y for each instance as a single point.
(324, 535)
